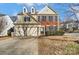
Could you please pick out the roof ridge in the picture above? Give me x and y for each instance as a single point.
(51, 8)
(47, 7)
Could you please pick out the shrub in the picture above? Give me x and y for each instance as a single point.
(58, 32)
(47, 33)
(54, 33)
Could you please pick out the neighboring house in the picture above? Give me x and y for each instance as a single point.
(13, 18)
(71, 24)
(36, 23)
(5, 24)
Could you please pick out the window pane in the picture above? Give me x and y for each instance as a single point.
(24, 10)
(26, 19)
(38, 18)
(43, 18)
(56, 18)
(50, 18)
(32, 10)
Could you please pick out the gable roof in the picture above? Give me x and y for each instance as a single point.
(47, 10)
(21, 13)
(2, 14)
(13, 18)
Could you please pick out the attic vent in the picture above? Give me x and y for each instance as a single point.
(32, 10)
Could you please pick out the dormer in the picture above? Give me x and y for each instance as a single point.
(33, 10)
(24, 10)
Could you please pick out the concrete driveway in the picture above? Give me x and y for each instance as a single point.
(16, 46)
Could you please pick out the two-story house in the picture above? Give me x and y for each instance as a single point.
(36, 23)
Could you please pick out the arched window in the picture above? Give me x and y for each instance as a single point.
(32, 10)
(24, 10)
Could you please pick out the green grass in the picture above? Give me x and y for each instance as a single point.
(72, 49)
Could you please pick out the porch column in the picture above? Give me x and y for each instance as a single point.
(14, 31)
(44, 30)
(37, 31)
(58, 23)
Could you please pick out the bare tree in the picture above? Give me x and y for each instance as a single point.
(72, 11)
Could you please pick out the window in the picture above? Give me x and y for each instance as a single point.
(53, 28)
(43, 18)
(24, 10)
(56, 18)
(38, 18)
(42, 30)
(50, 18)
(32, 10)
(26, 19)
